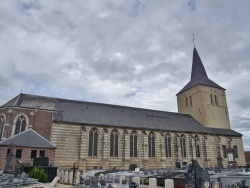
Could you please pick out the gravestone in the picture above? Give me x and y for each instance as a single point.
(137, 180)
(152, 183)
(41, 161)
(219, 162)
(169, 183)
(196, 176)
(102, 183)
(9, 167)
(55, 180)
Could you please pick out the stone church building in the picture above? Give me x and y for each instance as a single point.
(104, 136)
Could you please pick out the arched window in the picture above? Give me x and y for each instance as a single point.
(2, 120)
(151, 145)
(93, 141)
(168, 145)
(216, 100)
(197, 146)
(211, 98)
(183, 146)
(20, 124)
(114, 144)
(133, 144)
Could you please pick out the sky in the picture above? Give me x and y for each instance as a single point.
(134, 53)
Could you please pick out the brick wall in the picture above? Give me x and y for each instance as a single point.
(26, 155)
(39, 120)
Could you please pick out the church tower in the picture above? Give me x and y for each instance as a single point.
(203, 99)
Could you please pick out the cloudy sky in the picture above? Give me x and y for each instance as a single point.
(126, 52)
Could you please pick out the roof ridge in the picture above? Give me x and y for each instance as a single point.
(18, 97)
(19, 140)
(97, 103)
(41, 136)
(15, 135)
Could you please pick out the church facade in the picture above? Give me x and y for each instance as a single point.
(103, 136)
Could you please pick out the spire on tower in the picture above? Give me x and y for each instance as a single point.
(198, 74)
(198, 69)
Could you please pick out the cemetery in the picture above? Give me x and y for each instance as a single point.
(193, 175)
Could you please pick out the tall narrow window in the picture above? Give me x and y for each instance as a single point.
(1, 126)
(133, 144)
(186, 102)
(216, 100)
(183, 146)
(191, 103)
(8, 151)
(18, 153)
(93, 141)
(33, 154)
(211, 98)
(235, 151)
(197, 146)
(168, 145)
(114, 144)
(20, 125)
(224, 151)
(42, 153)
(151, 145)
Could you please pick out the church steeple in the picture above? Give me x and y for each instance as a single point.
(198, 69)
(204, 99)
(199, 75)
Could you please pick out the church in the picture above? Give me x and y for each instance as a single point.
(104, 136)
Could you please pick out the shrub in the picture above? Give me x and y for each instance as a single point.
(38, 173)
(97, 174)
(146, 181)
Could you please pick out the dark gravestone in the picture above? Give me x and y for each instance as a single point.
(219, 162)
(102, 182)
(18, 167)
(196, 176)
(41, 161)
(217, 169)
(9, 167)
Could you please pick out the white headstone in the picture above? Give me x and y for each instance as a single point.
(137, 180)
(84, 174)
(169, 183)
(77, 177)
(53, 183)
(102, 176)
(62, 176)
(58, 173)
(71, 177)
(152, 183)
(66, 176)
(121, 178)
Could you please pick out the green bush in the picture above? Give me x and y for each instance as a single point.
(38, 173)
(97, 174)
(146, 181)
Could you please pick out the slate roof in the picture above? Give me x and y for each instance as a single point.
(88, 113)
(199, 75)
(28, 138)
